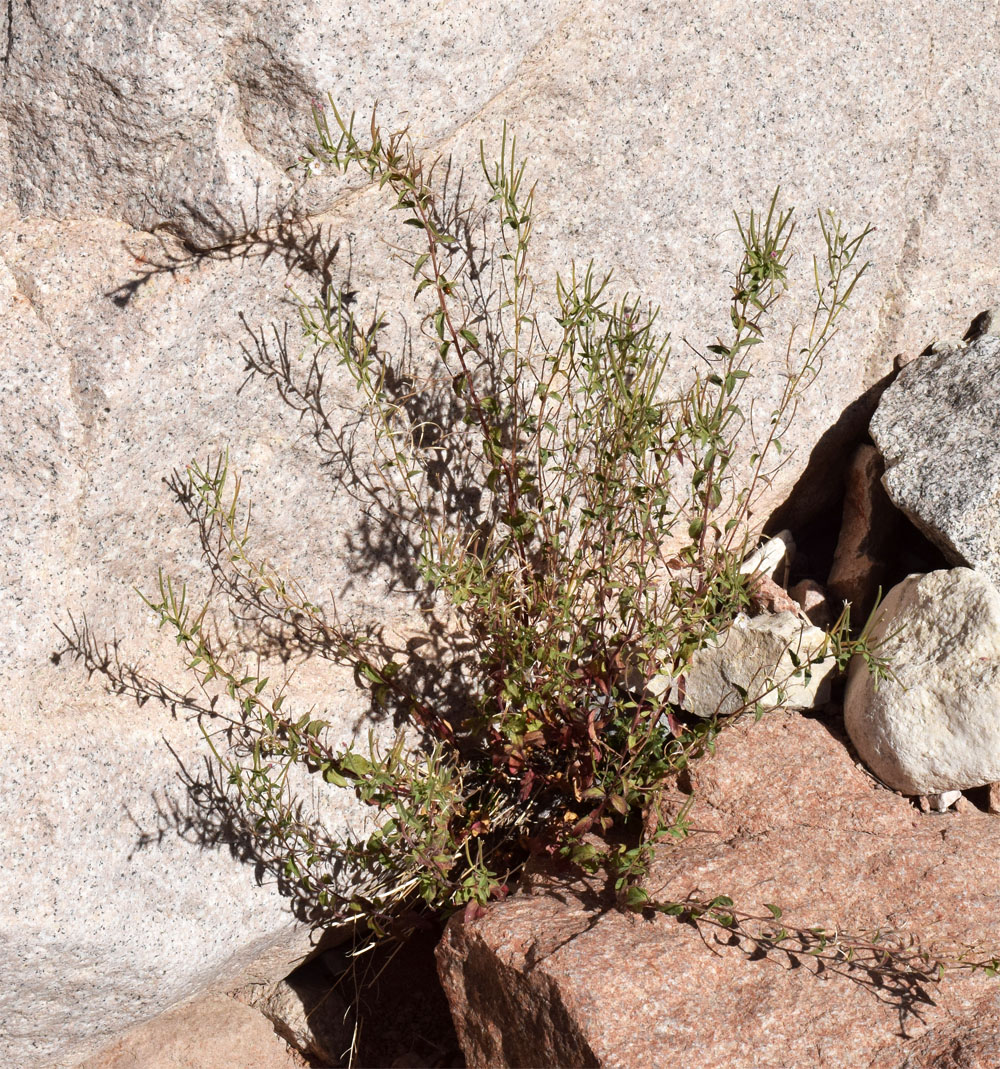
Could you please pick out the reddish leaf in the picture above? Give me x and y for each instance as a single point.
(473, 911)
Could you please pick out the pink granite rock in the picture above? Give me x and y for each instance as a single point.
(213, 1032)
(768, 596)
(553, 976)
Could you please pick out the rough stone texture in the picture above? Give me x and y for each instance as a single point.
(772, 559)
(755, 654)
(986, 323)
(938, 803)
(307, 1012)
(768, 565)
(974, 1045)
(123, 889)
(213, 1032)
(783, 815)
(937, 427)
(123, 361)
(768, 597)
(867, 532)
(188, 114)
(935, 726)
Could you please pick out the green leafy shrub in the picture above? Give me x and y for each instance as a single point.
(582, 526)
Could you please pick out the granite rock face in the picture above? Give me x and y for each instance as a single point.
(937, 428)
(127, 354)
(189, 113)
(185, 116)
(124, 888)
(935, 727)
(554, 976)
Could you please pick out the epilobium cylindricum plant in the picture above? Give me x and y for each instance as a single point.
(585, 538)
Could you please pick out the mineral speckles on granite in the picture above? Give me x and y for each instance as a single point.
(193, 117)
(645, 126)
(784, 816)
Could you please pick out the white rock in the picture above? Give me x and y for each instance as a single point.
(945, 345)
(771, 558)
(935, 727)
(756, 655)
(940, 803)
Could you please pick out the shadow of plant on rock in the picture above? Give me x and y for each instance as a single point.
(303, 246)
(892, 965)
(104, 658)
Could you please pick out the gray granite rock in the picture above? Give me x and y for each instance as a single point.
(756, 656)
(187, 115)
(935, 725)
(937, 427)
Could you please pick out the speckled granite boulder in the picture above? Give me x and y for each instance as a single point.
(190, 113)
(123, 888)
(555, 976)
(187, 115)
(937, 428)
(935, 727)
(124, 357)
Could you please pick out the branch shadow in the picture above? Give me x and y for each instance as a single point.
(104, 658)
(904, 990)
(210, 818)
(386, 532)
(302, 245)
(435, 662)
